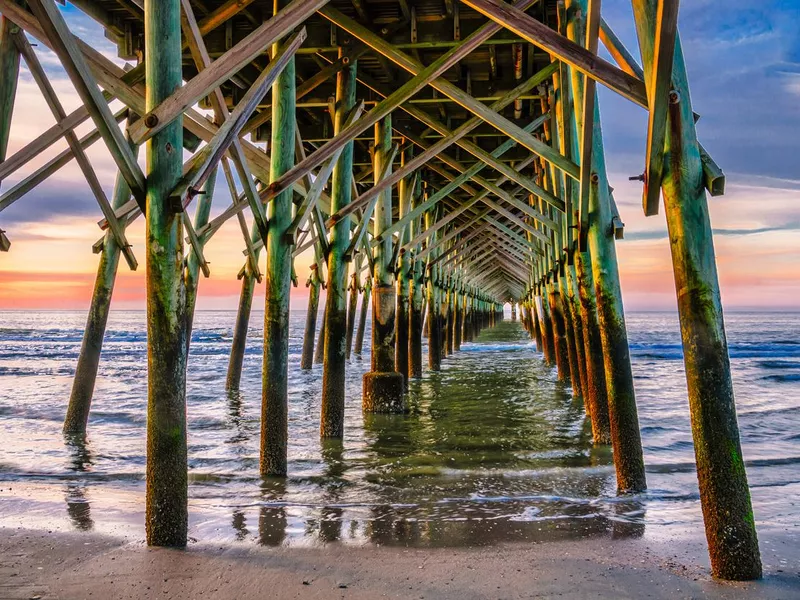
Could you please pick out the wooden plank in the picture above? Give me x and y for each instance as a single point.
(224, 67)
(541, 35)
(659, 97)
(64, 45)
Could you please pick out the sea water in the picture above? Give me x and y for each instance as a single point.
(493, 449)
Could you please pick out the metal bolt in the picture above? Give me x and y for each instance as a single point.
(674, 97)
(151, 120)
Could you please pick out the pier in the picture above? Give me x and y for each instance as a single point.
(427, 163)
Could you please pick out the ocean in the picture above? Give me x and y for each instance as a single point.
(493, 449)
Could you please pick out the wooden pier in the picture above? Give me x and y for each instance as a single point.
(437, 158)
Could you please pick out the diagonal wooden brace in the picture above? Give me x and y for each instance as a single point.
(227, 65)
(67, 50)
(208, 158)
(51, 97)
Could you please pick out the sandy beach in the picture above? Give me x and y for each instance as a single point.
(42, 565)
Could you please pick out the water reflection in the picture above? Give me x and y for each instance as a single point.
(81, 460)
(78, 508)
(330, 519)
(272, 514)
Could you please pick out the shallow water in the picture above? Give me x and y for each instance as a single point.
(494, 448)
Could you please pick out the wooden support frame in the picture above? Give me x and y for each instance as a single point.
(65, 46)
(224, 67)
(208, 158)
(50, 96)
(541, 35)
(462, 98)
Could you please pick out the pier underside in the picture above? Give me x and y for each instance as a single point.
(438, 158)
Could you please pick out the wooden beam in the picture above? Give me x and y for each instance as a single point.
(659, 98)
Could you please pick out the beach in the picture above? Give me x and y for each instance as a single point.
(37, 564)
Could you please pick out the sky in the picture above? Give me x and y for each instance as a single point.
(743, 60)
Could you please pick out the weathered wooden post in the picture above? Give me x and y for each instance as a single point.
(192, 272)
(449, 322)
(513, 311)
(333, 375)
(278, 280)
(319, 351)
(596, 391)
(240, 328)
(362, 320)
(724, 493)
(80, 399)
(457, 315)
(417, 293)
(537, 329)
(577, 340)
(625, 435)
(313, 285)
(9, 74)
(569, 329)
(432, 317)
(354, 288)
(404, 276)
(166, 512)
(383, 386)
(559, 331)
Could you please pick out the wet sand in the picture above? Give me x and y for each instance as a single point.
(38, 564)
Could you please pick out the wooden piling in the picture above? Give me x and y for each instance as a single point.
(457, 317)
(362, 319)
(724, 492)
(434, 342)
(278, 280)
(569, 332)
(404, 277)
(559, 332)
(80, 399)
(9, 74)
(319, 351)
(352, 306)
(625, 435)
(383, 387)
(333, 375)
(192, 272)
(166, 510)
(548, 338)
(234, 376)
(449, 317)
(596, 391)
(313, 285)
